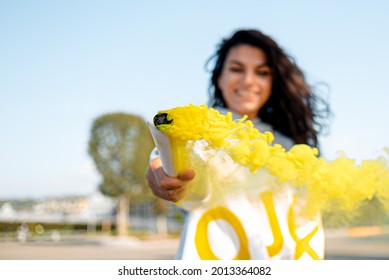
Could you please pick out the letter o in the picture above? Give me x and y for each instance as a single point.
(201, 237)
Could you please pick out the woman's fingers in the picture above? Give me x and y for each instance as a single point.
(164, 186)
(176, 195)
(186, 175)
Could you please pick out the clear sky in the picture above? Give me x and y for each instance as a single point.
(64, 63)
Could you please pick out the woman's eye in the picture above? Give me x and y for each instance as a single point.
(236, 69)
(264, 72)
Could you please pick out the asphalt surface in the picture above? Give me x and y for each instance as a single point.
(90, 249)
(339, 246)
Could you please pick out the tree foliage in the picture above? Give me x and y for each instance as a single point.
(120, 145)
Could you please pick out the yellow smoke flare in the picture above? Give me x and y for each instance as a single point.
(322, 183)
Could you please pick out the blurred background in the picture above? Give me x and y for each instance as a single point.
(72, 71)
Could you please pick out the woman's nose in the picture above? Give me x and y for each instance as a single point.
(248, 78)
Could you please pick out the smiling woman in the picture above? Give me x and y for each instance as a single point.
(252, 61)
(255, 78)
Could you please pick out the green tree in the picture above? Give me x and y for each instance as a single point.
(120, 145)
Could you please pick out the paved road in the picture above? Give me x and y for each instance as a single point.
(338, 246)
(353, 247)
(92, 249)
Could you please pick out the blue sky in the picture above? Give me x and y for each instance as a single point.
(64, 63)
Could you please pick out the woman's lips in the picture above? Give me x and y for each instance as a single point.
(246, 93)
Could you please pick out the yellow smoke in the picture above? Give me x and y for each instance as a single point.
(231, 156)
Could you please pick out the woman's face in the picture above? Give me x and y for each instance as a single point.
(246, 80)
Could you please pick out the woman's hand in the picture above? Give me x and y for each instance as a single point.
(164, 186)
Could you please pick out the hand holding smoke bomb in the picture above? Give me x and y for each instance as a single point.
(167, 183)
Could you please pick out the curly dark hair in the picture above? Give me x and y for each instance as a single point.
(293, 108)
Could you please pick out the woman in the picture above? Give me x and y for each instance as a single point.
(253, 76)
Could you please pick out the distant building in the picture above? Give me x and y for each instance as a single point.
(73, 210)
